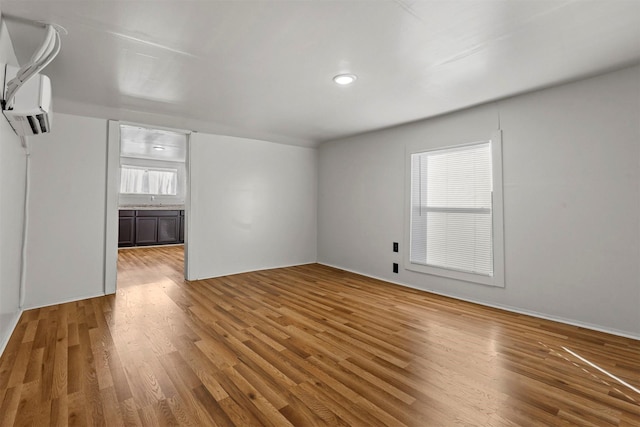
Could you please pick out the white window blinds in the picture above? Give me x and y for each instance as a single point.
(140, 180)
(451, 209)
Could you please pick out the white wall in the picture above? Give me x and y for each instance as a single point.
(12, 187)
(65, 242)
(253, 205)
(571, 158)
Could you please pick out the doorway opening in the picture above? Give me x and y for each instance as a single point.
(147, 201)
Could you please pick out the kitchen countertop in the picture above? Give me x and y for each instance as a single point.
(152, 208)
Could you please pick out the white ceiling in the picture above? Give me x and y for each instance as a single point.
(153, 144)
(263, 69)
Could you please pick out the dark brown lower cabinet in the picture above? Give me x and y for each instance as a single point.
(150, 227)
(168, 229)
(127, 228)
(181, 230)
(146, 231)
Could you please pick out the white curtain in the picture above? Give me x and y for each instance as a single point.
(136, 180)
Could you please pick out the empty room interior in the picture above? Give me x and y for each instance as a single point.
(320, 213)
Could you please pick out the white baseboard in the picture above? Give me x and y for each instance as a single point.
(12, 328)
(64, 301)
(511, 309)
(5, 340)
(255, 269)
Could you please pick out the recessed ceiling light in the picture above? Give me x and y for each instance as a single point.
(344, 79)
(158, 147)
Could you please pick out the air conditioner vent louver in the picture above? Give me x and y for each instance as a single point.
(31, 111)
(38, 123)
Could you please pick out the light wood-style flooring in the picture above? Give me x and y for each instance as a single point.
(304, 346)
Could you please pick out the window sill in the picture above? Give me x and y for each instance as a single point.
(495, 281)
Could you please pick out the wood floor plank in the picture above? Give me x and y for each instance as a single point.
(20, 365)
(307, 346)
(9, 406)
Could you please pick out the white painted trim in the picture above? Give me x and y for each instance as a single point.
(5, 340)
(148, 126)
(112, 202)
(187, 206)
(498, 277)
(111, 208)
(498, 209)
(508, 308)
(65, 301)
(259, 269)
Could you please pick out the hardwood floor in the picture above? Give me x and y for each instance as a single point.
(307, 345)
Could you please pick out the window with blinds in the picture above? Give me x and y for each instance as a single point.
(451, 220)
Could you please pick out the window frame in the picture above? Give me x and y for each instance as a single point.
(133, 199)
(150, 169)
(497, 279)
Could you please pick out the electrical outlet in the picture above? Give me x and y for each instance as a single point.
(395, 267)
(395, 246)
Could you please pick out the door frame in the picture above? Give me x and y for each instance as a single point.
(111, 201)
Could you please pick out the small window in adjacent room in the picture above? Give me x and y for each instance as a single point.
(152, 167)
(455, 221)
(140, 180)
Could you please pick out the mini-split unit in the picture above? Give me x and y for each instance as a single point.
(26, 94)
(30, 113)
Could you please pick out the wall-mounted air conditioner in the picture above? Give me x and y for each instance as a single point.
(30, 112)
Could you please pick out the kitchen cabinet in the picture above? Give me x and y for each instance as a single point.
(168, 229)
(150, 227)
(126, 228)
(181, 230)
(146, 231)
